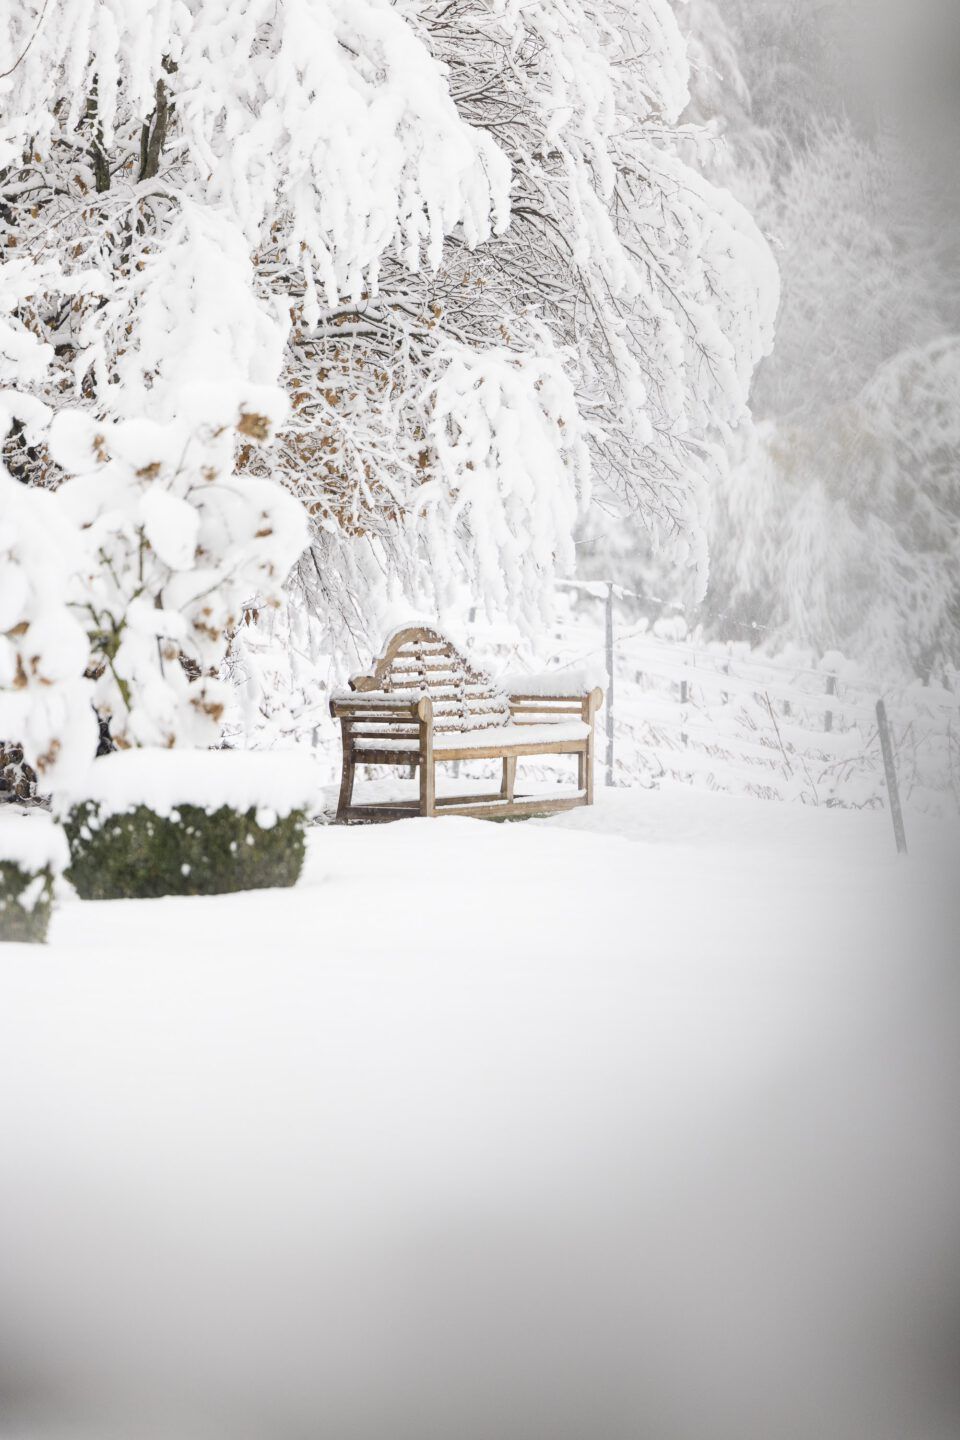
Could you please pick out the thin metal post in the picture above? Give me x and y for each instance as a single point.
(831, 690)
(610, 681)
(891, 773)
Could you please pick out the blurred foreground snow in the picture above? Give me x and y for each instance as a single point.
(637, 1122)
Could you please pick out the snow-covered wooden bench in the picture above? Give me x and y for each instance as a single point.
(423, 702)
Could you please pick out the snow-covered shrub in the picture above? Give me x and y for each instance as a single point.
(149, 823)
(45, 702)
(33, 852)
(175, 544)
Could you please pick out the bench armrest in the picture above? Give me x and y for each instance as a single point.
(384, 720)
(584, 703)
(373, 707)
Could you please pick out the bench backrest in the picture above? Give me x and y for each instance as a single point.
(418, 662)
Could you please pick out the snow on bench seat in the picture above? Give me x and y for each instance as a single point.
(494, 737)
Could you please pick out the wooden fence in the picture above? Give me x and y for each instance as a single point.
(729, 718)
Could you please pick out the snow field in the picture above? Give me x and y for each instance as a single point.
(633, 1121)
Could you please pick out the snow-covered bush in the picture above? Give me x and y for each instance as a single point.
(175, 544)
(47, 726)
(45, 702)
(149, 823)
(33, 852)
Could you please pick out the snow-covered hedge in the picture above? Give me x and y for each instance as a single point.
(33, 851)
(168, 822)
(273, 784)
(192, 851)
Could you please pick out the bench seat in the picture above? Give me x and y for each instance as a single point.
(494, 738)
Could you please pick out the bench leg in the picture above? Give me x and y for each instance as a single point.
(591, 703)
(346, 786)
(425, 760)
(428, 785)
(509, 776)
(585, 773)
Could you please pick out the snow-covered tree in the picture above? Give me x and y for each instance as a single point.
(837, 524)
(46, 719)
(727, 139)
(846, 534)
(459, 232)
(650, 288)
(858, 285)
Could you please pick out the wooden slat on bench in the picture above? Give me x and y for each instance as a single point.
(541, 710)
(403, 709)
(490, 807)
(406, 665)
(546, 701)
(403, 758)
(397, 734)
(501, 809)
(498, 752)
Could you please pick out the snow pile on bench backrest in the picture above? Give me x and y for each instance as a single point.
(416, 662)
(33, 843)
(269, 781)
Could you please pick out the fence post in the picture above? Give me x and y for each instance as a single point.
(891, 773)
(610, 680)
(831, 690)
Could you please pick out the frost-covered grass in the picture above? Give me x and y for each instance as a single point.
(639, 1121)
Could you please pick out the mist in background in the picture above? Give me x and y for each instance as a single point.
(837, 524)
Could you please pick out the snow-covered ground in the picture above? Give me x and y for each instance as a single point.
(640, 1121)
